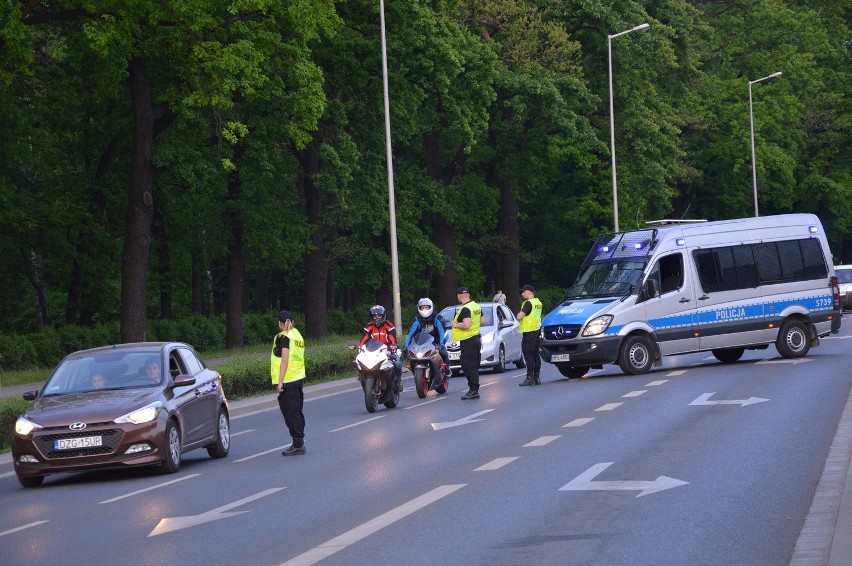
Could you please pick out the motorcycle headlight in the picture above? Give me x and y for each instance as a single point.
(597, 325)
(23, 426)
(486, 338)
(419, 355)
(143, 415)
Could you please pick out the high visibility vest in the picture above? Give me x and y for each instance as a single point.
(475, 315)
(531, 322)
(295, 361)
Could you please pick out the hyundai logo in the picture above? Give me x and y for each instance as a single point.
(77, 426)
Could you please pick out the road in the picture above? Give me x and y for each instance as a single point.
(694, 463)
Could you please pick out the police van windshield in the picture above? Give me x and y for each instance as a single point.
(607, 279)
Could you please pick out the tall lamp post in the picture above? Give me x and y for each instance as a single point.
(641, 27)
(397, 314)
(751, 123)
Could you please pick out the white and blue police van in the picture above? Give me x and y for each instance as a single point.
(692, 286)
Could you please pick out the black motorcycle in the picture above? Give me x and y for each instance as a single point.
(425, 364)
(376, 374)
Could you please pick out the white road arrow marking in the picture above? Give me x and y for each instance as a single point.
(170, 524)
(584, 482)
(703, 400)
(785, 361)
(463, 421)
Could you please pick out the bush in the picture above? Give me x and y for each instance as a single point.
(10, 409)
(249, 375)
(17, 352)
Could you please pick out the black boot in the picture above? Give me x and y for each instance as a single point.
(536, 379)
(295, 449)
(527, 382)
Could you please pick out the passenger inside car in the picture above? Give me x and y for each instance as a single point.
(98, 380)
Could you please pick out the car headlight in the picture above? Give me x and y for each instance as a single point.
(486, 338)
(143, 415)
(23, 426)
(598, 325)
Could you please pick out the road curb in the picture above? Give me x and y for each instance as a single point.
(831, 510)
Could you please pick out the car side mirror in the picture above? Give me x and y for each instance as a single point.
(184, 380)
(505, 324)
(651, 290)
(30, 395)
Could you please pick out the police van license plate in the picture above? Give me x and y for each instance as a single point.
(560, 358)
(454, 355)
(72, 443)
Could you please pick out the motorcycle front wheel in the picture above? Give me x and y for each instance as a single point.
(371, 399)
(442, 387)
(420, 383)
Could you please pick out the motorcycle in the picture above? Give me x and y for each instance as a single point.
(376, 374)
(425, 364)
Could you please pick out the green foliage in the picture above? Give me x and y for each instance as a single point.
(249, 375)
(10, 409)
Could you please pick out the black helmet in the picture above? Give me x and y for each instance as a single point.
(377, 315)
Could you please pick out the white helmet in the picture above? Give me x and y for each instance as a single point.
(425, 308)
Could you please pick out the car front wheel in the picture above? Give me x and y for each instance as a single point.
(219, 449)
(171, 461)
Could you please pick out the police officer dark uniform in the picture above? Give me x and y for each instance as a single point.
(466, 332)
(530, 317)
(287, 362)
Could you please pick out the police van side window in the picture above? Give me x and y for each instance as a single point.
(815, 267)
(768, 263)
(726, 268)
(671, 273)
(790, 260)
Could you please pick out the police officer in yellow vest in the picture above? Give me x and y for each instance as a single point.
(287, 362)
(466, 332)
(530, 317)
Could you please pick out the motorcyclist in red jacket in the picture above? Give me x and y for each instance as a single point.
(383, 330)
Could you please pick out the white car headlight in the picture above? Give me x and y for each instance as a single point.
(486, 338)
(143, 415)
(597, 325)
(24, 426)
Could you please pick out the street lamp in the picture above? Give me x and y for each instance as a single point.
(751, 123)
(641, 27)
(397, 315)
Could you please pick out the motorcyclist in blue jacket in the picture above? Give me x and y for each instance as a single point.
(428, 321)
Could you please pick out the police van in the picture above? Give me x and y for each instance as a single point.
(692, 286)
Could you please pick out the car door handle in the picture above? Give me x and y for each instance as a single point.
(703, 297)
(684, 300)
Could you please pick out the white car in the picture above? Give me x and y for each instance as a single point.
(844, 279)
(501, 338)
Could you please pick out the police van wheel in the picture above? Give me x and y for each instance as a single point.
(636, 355)
(793, 339)
(573, 372)
(729, 355)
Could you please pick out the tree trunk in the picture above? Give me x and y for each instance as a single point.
(164, 270)
(140, 210)
(38, 287)
(197, 288)
(316, 267)
(445, 234)
(235, 277)
(510, 264)
(72, 309)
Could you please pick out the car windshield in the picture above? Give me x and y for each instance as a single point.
(607, 279)
(106, 371)
(449, 313)
(844, 275)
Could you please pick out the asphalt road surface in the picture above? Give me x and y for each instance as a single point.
(695, 463)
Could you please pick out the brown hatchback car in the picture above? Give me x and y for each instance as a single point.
(124, 405)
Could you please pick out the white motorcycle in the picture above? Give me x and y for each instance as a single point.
(376, 374)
